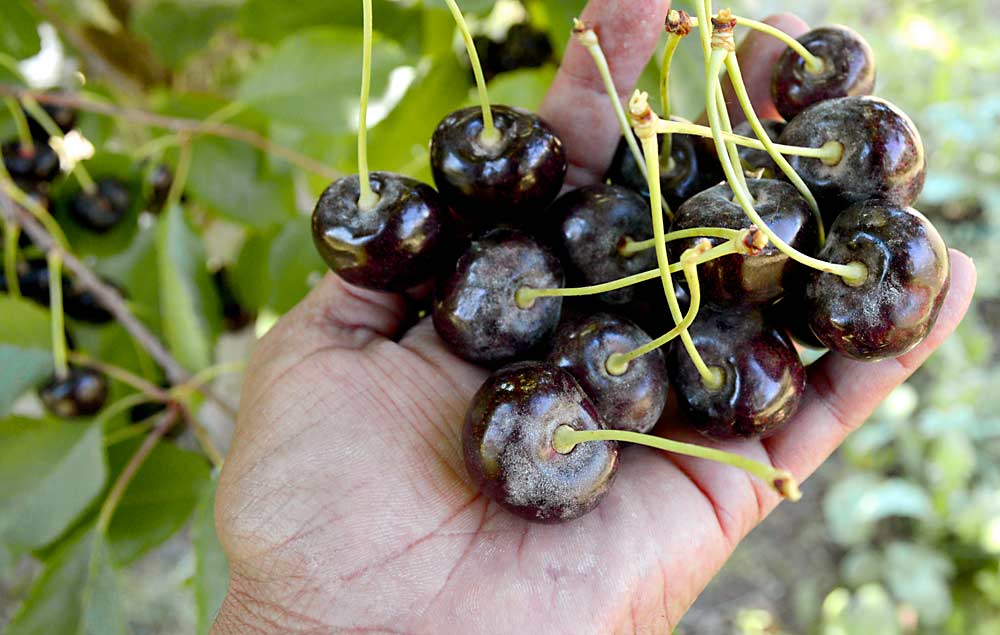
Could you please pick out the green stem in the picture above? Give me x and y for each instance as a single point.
(20, 197)
(367, 198)
(668, 55)
(630, 248)
(736, 78)
(52, 128)
(814, 64)
(176, 190)
(830, 152)
(566, 438)
(490, 136)
(12, 231)
(852, 272)
(59, 354)
(21, 122)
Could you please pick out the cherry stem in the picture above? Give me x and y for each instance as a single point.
(854, 272)
(22, 198)
(57, 323)
(644, 122)
(589, 40)
(176, 190)
(631, 247)
(21, 122)
(668, 55)
(490, 136)
(79, 170)
(830, 153)
(12, 231)
(367, 199)
(526, 296)
(736, 79)
(814, 64)
(566, 438)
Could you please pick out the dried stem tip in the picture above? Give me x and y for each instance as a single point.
(643, 118)
(678, 23)
(584, 34)
(723, 25)
(753, 242)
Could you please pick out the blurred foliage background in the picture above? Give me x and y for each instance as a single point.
(898, 533)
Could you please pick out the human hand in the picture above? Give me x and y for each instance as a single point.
(344, 504)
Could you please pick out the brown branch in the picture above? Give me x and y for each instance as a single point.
(107, 296)
(178, 124)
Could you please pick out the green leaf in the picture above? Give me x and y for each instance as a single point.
(228, 177)
(78, 592)
(18, 29)
(51, 471)
(158, 501)
(524, 88)
(293, 264)
(250, 277)
(467, 6)
(211, 569)
(175, 31)
(854, 505)
(189, 308)
(25, 357)
(919, 575)
(313, 78)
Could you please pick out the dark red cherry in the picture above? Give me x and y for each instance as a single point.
(78, 303)
(82, 393)
(508, 444)
(848, 70)
(894, 309)
(235, 316)
(790, 314)
(476, 312)
(104, 209)
(63, 116)
(397, 244)
(753, 159)
(633, 400)
(523, 47)
(883, 155)
(679, 180)
(37, 165)
(745, 279)
(763, 378)
(593, 224)
(508, 182)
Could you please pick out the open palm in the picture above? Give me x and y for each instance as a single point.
(344, 505)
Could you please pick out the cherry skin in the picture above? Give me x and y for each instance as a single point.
(894, 309)
(883, 155)
(503, 183)
(78, 303)
(848, 70)
(82, 393)
(397, 244)
(679, 180)
(755, 160)
(790, 314)
(593, 223)
(476, 312)
(508, 444)
(633, 400)
(104, 209)
(39, 165)
(763, 378)
(748, 279)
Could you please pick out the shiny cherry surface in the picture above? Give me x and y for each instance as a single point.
(848, 70)
(475, 311)
(745, 279)
(679, 180)
(508, 182)
(894, 309)
(763, 376)
(82, 393)
(633, 400)
(395, 245)
(883, 154)
(507, 441)
(40, 164)
(102, 210)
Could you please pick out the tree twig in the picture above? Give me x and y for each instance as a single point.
(180, 125)
(107, 296)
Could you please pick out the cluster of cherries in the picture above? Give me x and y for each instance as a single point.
(821, 248)
(84, 390)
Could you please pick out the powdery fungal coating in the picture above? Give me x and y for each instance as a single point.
(507, 442)
(753, 159)
(744, 279)
(593, 223)
(908, 278)
(679, 180)
(764, 378)
(508, 182)
(476, 312)
(393, 246)
(848, 70)
(883, 154)
(633, 400)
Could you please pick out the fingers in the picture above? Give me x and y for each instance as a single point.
(757, 55)
(842, 393)
(577, 106)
